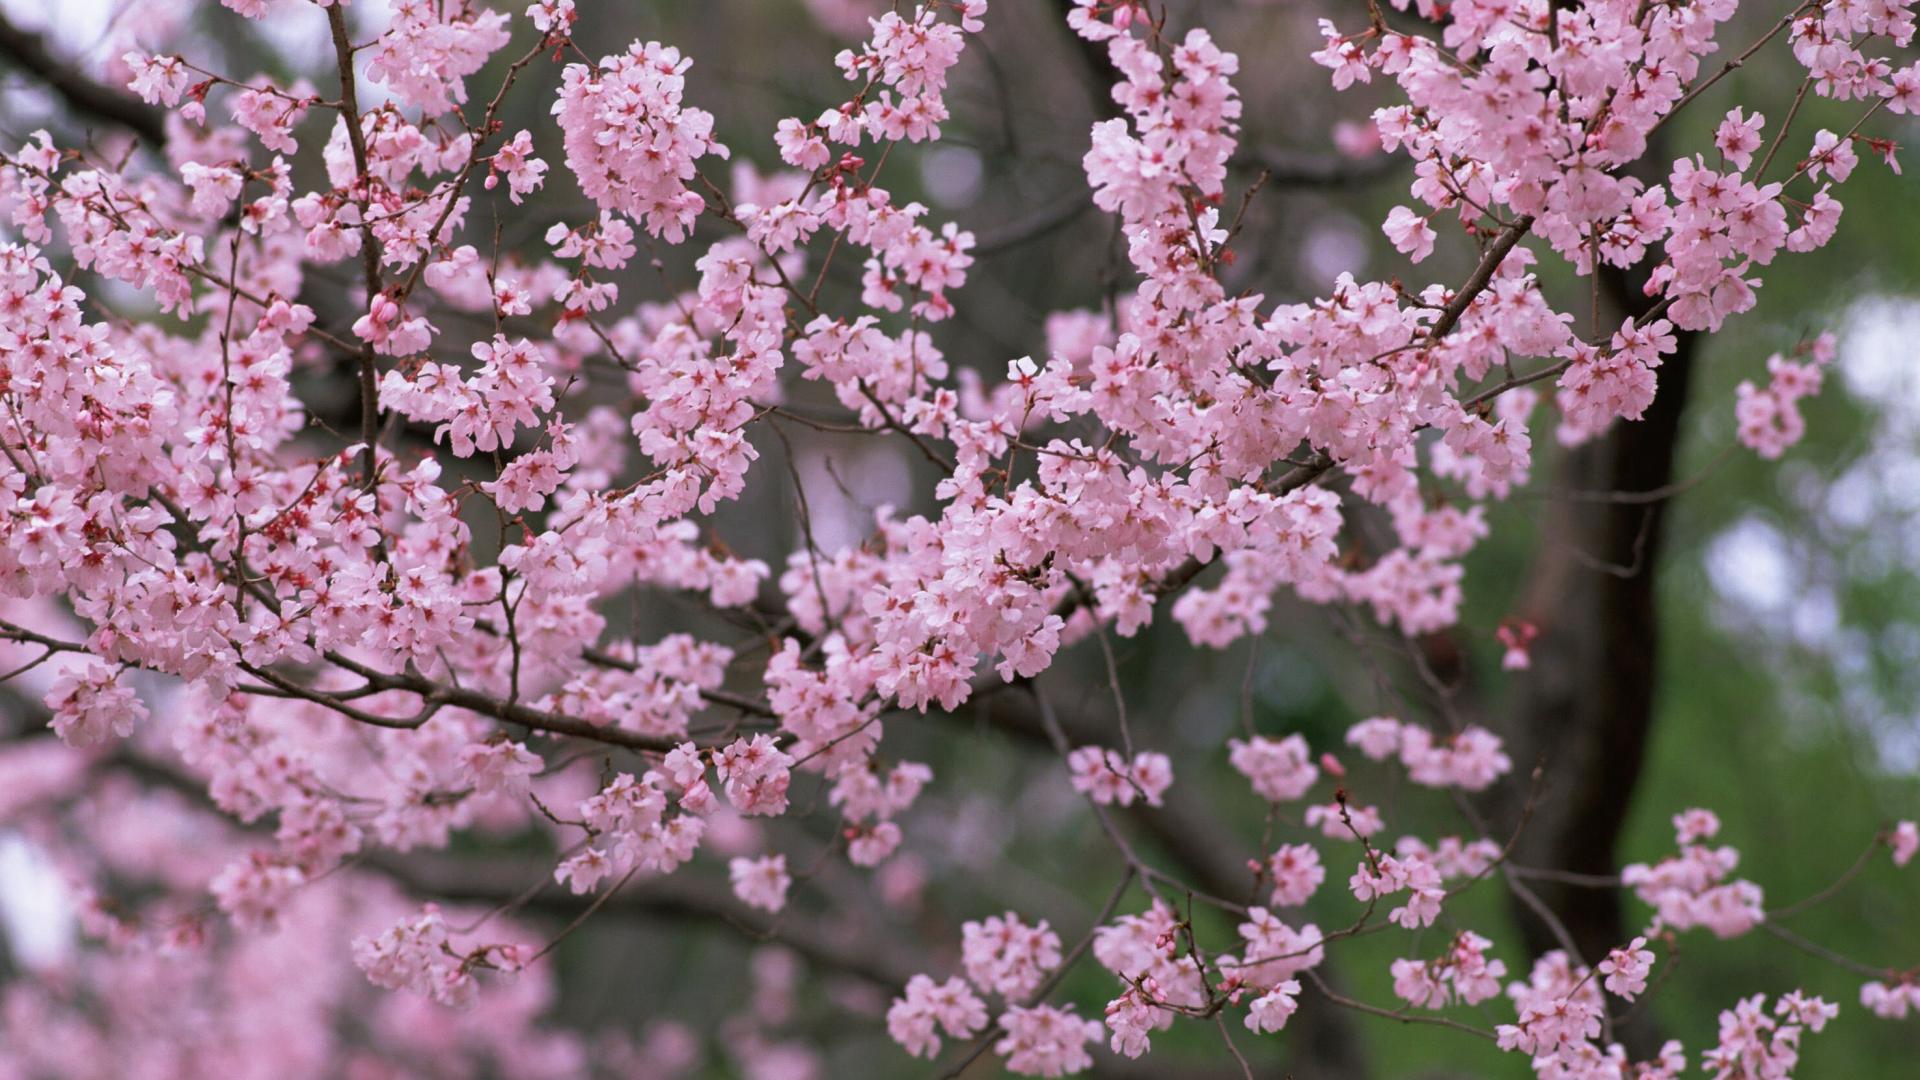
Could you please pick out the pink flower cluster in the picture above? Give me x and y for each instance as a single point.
(368, 645)
(1470, 760)
(1107, 778)
(1770, 419)
(631, 141)
(416, 954)
(1691, 889)
(1754, 1044)
(1003, 956)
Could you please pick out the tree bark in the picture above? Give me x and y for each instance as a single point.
(1585, 710)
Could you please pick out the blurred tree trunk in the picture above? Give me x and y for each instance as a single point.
(1585, 709)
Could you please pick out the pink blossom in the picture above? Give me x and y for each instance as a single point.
(916, 1019)
(1341, 821)
(1297, 874)
(1107, 778)
(1045, 1041)
(1006, 956)
(1626, 969)
(552, 16)
(362, 632)
(1738, 136)
(1755, 1044)
(1904, 841)
(272, 115)
(1377, 737)
(1832, 155)
(254, 889)
(630, 140)
(159, 80)
(1890, 1001)
(1270, 1011)
(1280, 770)
(870, 845)
(1410, 233)
(89, 704)
(516, 162)
(755, 775)
(761, 882)
(415, 954)
(500, 768)
(1770, 418)
(1516, 637)
(1132, 1018)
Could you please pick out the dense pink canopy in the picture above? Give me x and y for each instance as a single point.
(285, 666)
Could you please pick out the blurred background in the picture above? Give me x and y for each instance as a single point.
(1750, 645)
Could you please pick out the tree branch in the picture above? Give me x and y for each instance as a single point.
(853, 948)
(28, 52)
(369, 249)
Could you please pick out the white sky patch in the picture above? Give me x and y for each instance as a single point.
(36, 910)
(73, 25)
(1879, 361)
(1750, 566)
(93, 33)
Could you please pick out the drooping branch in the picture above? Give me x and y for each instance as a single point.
(1328, 1048)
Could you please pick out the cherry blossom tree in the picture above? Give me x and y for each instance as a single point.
(307, 694)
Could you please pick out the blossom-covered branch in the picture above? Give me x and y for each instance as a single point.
(381, 648)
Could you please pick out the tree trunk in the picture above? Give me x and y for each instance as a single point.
(1585, 709)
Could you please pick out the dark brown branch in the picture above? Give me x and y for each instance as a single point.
(369, 249)
(853, 947)
(28, 52)
(460, 697)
